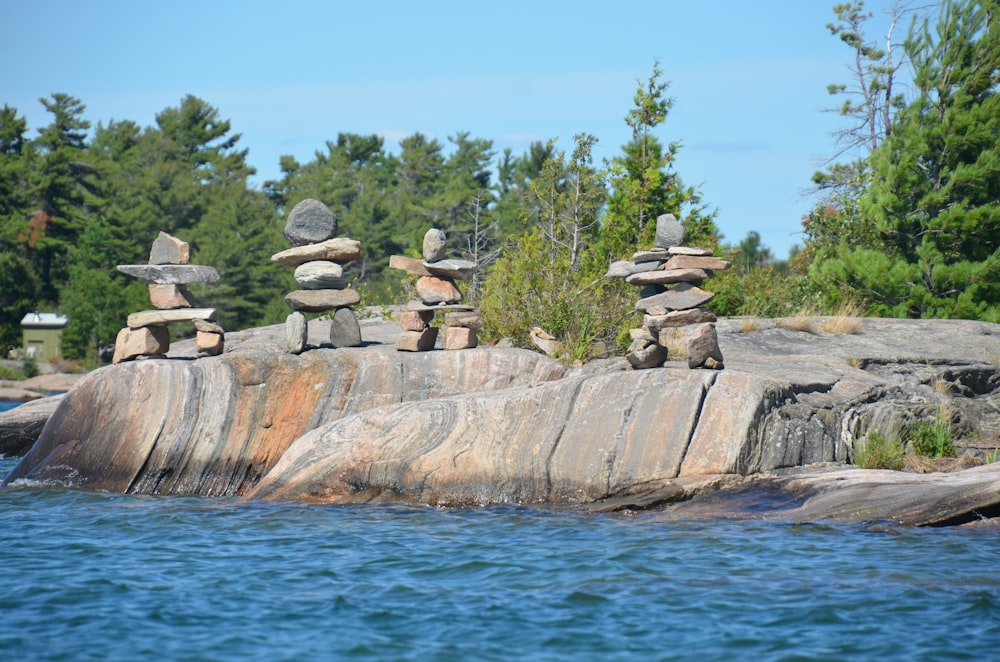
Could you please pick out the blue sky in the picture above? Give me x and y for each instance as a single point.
(748, 79)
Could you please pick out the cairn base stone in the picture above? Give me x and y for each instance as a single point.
(209, 344)
(460, 337)
(643, 354)
(417, 341)
(344, 329)
(296, 333)
(144, 341)
(703, 348)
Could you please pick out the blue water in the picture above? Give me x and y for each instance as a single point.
(88, 576)
(6, 405)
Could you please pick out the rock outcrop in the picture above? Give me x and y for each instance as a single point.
(771, 435)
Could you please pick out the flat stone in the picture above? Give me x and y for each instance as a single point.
(163, 317)
(470, 319)
(146, 341)
(420, 305)
(545, 342)
(435, 245)
(697, 262)
(681, 297)
(688, 250)
(458, 269)
(296, 333)
(168, 249)
(664, 276)
(417, 341)
(166, 296)
(320, 275)
(204, 326)
(317, 301)
(432, 289)
(345, 331)
(310, 222)
(415, 320)
(651, 254)
(339, 249)
(171, 273)
(409, 264)
(625, 268)
(669, 231)
(642, 333)
(460, 337)
(655, 322)
(209, 344)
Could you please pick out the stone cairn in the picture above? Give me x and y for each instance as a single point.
(168, 274)
(437, 291)
(318, 258)
(676, 323)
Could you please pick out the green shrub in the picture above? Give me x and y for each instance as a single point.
(30, 367)
(529, 287)
(932, 438)
(10, 374)
(877, 452)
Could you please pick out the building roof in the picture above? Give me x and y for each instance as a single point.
(44, 319)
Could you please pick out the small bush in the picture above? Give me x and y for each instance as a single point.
(932, 438)
(30, 367)
(11, 374)
(877, 452)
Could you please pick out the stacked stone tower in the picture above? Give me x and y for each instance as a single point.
(168, 274)
(318, 258)
(437, 291)
(676, 323)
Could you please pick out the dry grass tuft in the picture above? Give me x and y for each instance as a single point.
(749, 324)
(797, 323)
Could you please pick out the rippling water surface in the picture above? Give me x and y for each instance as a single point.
(110, 577)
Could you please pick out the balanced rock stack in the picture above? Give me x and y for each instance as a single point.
(168, 274)
(318, 258)
(676, 323)
(437, 291)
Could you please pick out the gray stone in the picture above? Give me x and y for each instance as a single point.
(457, 269)
(681, 297)
(296, 333)
(655, 253)
(468, 319)
(344, 329)
(435, 245)
(703, 348)
(669, 231)
(657, 321)
(320, 275)
(420, 305)
(643, 354)
(310, 222)
(318, 301)
(162, 317)
(175, 274)
(665, 276)
(688, 250)
(168, 249)
(625, 268)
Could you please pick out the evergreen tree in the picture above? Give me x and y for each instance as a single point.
(644, 184)
(934, 197)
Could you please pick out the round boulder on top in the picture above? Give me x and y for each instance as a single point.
(310, 222)
(435, 245)
(669, 231)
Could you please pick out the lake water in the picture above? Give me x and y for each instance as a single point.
(89, 576)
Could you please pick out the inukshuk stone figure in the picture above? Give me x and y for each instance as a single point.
(436, 291)
(168, 274)
(676, 323)
(318, 258)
